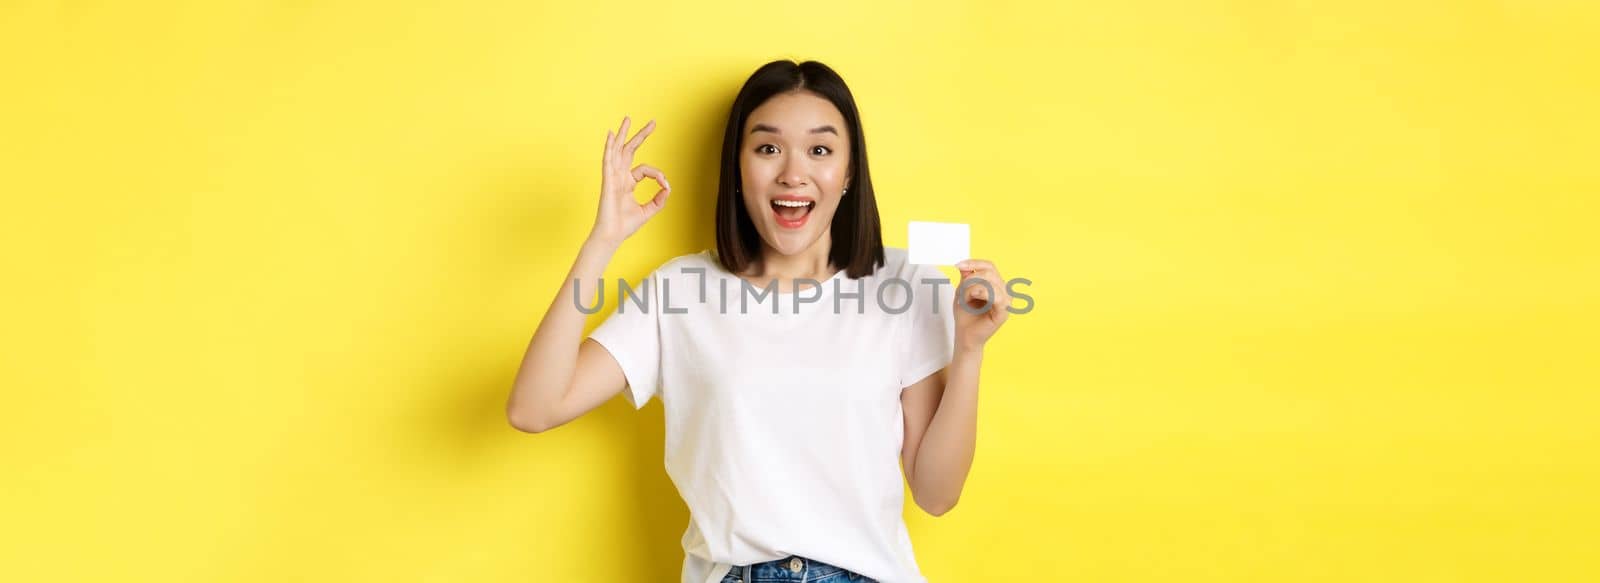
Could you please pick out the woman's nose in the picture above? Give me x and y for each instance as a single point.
(793, 175)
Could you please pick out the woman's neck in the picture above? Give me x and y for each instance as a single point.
(809, 264)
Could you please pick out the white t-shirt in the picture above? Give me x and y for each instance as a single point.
(783, 431)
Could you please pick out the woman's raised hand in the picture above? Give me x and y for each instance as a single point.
(620, 214)
(992, 302)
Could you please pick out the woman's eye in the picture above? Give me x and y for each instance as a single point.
(824, 152)
(763, 149)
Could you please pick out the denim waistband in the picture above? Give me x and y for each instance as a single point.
(783, 570)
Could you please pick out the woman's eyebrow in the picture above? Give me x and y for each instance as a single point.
(761, 127)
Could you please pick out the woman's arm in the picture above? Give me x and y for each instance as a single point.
(561, 376)
(546, 378)
(941, 432)
(941, 411)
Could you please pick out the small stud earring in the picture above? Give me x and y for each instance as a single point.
(845, 191)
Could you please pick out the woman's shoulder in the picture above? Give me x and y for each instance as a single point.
(896, 258)
(690, 263)
(897, 264)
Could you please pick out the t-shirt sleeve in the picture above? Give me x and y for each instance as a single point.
(931, 330)
(633, 337)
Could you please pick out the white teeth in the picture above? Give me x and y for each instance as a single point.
(791, 203)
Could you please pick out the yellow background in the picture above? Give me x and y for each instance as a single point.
(1317, 284)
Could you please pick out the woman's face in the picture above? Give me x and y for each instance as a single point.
(794, 162)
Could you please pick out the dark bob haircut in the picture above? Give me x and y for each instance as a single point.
(857, 245)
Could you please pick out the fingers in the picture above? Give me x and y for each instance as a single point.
(634, 143)
(970, 264)
(986, 271)
(976, 292)
(643, 170)
(619, 154)
(977, 296)
(617, 149)
(657, 203)
(660, 199)
(614, 144)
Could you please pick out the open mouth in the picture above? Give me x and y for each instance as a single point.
(792, 213)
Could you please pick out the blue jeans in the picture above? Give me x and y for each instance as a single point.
(795, 569)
